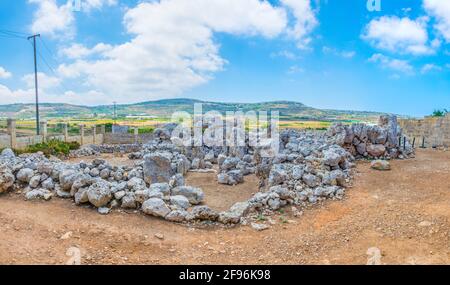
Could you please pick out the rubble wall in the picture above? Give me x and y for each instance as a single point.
(435, 130)
(110, 138)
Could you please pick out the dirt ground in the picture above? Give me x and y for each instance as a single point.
(404, 213)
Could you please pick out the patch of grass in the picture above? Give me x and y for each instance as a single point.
(283, 220)
(53, 147)
(261, 218)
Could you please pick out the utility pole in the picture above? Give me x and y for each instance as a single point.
(36, 82)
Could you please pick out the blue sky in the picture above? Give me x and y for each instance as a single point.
(327, 54)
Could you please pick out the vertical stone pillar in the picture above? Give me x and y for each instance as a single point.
(94, 133)
(12, 132)
(81, 134)
(43, 130)
(103, 129)
(66, 132)
(136, 135)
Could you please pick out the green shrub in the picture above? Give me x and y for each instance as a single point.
(439, 113)
(53, 147)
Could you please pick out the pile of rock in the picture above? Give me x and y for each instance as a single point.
(233, 169)
(309, 167)
(99, 184)
(380, 141)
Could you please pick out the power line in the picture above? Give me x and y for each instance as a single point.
(12, 34)
(52, 54)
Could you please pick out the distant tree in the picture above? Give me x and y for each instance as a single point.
(439, 113)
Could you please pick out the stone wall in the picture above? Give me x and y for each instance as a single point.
(435, 130)
(110, 138)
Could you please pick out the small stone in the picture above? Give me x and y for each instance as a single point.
(381, 165)
(259, 227)
(103, 210)
(159, 236)
(66, 235)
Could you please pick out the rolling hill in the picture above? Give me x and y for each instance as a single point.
(289, 110)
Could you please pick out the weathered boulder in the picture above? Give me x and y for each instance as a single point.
(229, 163)
(193, 194)
(99, 193)
(37, 194)
(48, 184)
(8, 153)
(45, 168)
(278, 175)
(155, 207)
(67, 178)
(331, 158)
(311, 180)
(143, 195)
(162, 188)
(35, 181)
(176, 181)
(204, 213)
(81, 196)
(25, 175)
(136, 184)
(129, 201)
(7, 178)
(232, 177)
(177, 216)
(376, 150)
(157, 168)
(80, 181)
(180, 201)
(235, 213)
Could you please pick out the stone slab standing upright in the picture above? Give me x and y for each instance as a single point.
(12, 133)
(94, 133)
(43, 129)
(81, 134)
(66, 132)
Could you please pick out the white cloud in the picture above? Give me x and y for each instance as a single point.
(88, 5)
(51, 19)
(392, 63)
(333, 51)
(306, 21)
(440, 9)
(58, 20)
(295, 69)
(4, 74)
(399, 35)
(45, 82)
(173, 47)
(76, 51)
(430, 67)
(8, 96)
(284, 53)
